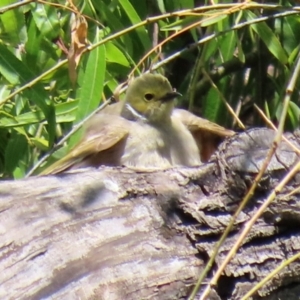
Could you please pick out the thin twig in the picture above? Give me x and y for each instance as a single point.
(271, 275)
(240, 123)
(294, 147)
(14, 5)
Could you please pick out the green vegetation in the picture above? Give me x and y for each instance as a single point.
(239, 54)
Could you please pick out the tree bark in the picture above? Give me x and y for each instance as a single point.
(116, 233)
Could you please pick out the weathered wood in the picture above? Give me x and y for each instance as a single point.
(115, 233)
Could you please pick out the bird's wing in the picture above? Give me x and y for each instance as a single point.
(103, 132)
(195, 123)
(206, 134)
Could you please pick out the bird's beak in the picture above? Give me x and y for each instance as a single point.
(169, 96)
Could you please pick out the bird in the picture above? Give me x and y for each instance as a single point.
(145, 131)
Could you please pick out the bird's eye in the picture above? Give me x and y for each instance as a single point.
(148, 96)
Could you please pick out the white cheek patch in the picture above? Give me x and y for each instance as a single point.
(135, 113)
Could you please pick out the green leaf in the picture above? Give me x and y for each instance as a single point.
(212, 20)
(141, 8)
(40, 143)
(46, 19)
(226, 46)
(161, 6)
(214, 109)
(288, 29)
(294, 55)
(135, 19)
(210, 49)
(111, 82)
(187, 4)
(15, 151)
(114, 24)
(13, 69)
(34, 41)
(5, 90)
(19, 173)
(115, 55)
(92, 84)
(269, 38)
(13, 25)
(8, 68)
(179, 24)
(241, 54)
(294, 115)
(64, 112)
(66, 109)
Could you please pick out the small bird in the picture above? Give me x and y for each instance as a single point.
(143, 132)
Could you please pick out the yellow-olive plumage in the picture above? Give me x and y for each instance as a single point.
(144, 131)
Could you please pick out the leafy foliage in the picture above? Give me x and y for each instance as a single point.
(240, 54)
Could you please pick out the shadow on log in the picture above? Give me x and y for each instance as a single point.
(114, 233)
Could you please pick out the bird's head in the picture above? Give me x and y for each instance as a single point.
(152, 97)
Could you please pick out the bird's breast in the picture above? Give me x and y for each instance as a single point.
(161, 146)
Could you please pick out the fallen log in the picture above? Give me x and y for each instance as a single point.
(116, 233)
